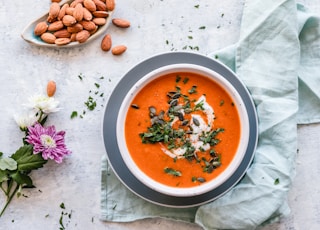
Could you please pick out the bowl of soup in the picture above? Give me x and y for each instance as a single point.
(182, 130)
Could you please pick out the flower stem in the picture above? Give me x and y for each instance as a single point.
(9, 198)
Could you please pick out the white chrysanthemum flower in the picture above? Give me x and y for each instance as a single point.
(24, 121)
(43, 103)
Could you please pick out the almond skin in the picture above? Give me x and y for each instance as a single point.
(99, 21)
(88, 25)
(119, 49)
(90, 5)
(87, 15)
(78, 12)
(62, 41)
(40, 28)
(51, 88)
(122, 23)
(100, 5)
(57, 25)
(106, 42)
(62, 11)
(110, 5)
(75, 28)
(62, 34)
(82, 36)
(100, 14)
(48, 38)
(54, 10)
(69, 20)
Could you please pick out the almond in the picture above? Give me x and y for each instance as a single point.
(119, 49)
(106, 43)
(100, 5)
(54, 10)
(100, 14)
(110, 5)
(40, 28)
(74, 3)
(78, 12)
(75, 28)
(62, 34)
(62, 41)
(88, 25)
(62, 11)
(93, 31)
(73, 37)
(87, 14)
(57, 25)
(48, 37)
(82, 36)
(89, 4)
(122, 23)
(99, 21)
(69, 20)
(69, 11)
(51, 88)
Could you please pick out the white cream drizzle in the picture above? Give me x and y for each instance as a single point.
(197, 130)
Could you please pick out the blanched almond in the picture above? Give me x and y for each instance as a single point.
(106, 42)
(122, 23)
(40, 28)
(117, 50)
(48, 37)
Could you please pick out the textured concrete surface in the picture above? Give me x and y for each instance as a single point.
(156, 26)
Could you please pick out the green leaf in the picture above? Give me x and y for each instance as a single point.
(8, 163)
(22, 179)
(3, 176)
(26, 160)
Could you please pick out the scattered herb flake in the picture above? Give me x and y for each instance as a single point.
(172, 172)
(196, 6)
(97, 85)
(276, 181)
(74, 114)
(202, 27)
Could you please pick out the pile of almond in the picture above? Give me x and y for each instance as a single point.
(74, 22)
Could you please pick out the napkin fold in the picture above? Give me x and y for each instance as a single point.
(277, 57)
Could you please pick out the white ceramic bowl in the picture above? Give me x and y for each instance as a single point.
(205, 187)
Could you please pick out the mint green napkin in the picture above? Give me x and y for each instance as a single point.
(277, 57)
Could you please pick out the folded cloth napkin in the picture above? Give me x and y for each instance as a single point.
(277, 57)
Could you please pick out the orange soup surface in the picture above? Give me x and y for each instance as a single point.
(182, 129)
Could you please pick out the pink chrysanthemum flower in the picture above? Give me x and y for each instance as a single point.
(48, 142)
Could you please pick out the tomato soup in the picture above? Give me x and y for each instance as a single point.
(182, 129)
